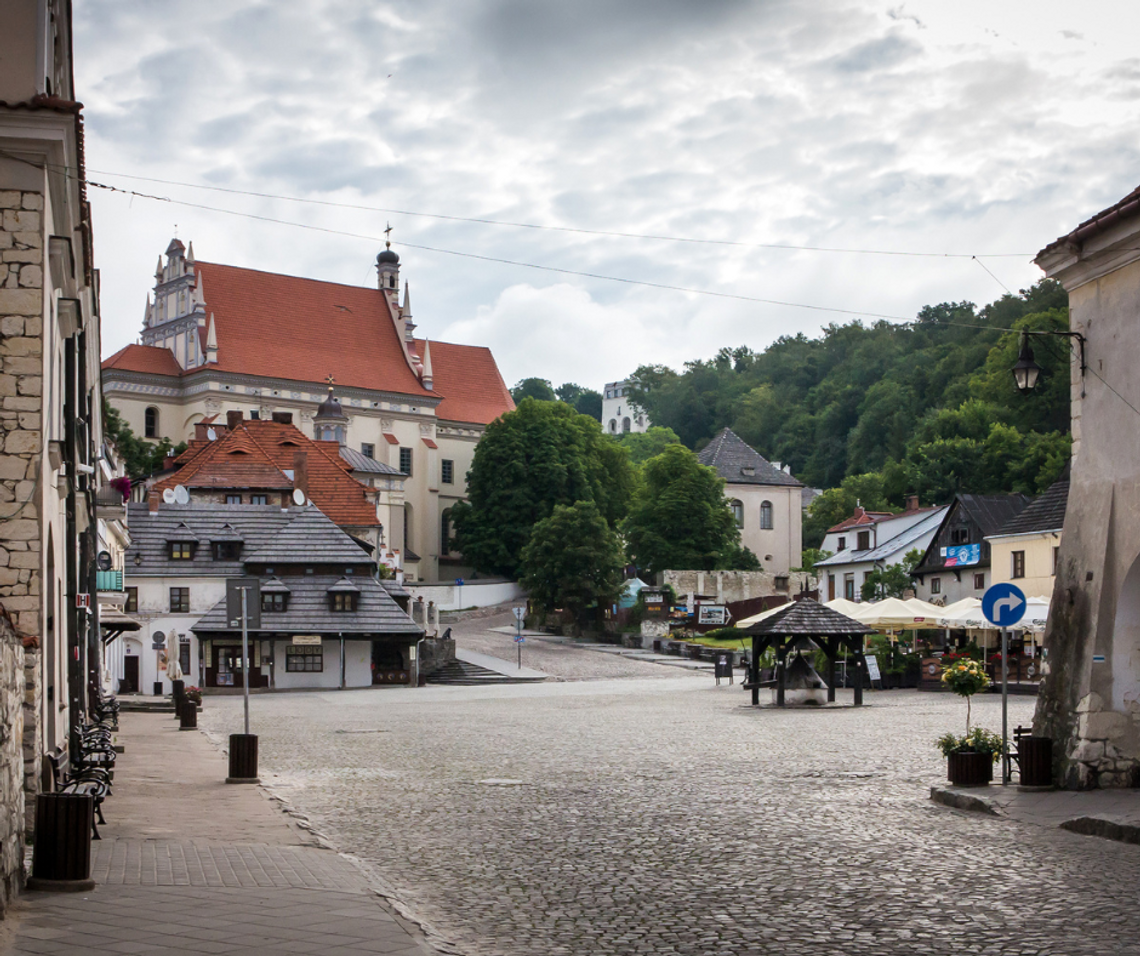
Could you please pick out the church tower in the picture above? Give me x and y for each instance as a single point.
(173, 319)
(330, 423)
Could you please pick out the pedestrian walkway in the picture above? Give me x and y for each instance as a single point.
(500, 666)
(191, 865)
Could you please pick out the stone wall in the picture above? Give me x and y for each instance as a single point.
(11, 762)
(21, 390)
(33, 757)
(731, 586)
(434, 653)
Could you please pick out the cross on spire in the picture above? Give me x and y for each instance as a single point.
(388, 236)
(330, 380)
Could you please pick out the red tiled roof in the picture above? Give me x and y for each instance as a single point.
(429, 443)
(862, 519)
(145, 358)
(468, 380)
(257, 453)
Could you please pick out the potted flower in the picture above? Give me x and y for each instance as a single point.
(194, 695)
(970, 758)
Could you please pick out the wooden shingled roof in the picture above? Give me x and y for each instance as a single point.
(808, 618)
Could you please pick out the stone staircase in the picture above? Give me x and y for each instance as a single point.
(471, 675)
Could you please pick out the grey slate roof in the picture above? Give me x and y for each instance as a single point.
(991, 512)
(358, 461)
(892, 545)
(310, 538)
(810, 619)
(308, 612)
(739, 464)
(1044, 513)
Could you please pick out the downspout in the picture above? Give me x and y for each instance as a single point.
(342, 662)
(74, 669)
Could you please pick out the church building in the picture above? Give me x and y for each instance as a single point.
(219, 339)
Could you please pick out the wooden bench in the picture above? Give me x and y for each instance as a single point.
(92, 782)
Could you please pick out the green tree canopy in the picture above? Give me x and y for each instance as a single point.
(891, 581)
(539, 388)
(573, 559)
(585, 401)
(647, 444)
(530, 460)
(680, 518)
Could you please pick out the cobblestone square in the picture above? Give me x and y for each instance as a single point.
(666, 816)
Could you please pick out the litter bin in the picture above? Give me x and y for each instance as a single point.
(243, 759)
(61, 856)
(1035, 759)
(188, 718)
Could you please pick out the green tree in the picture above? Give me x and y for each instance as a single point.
(528, 461)
(539, 388)
(647, 444)
(585, 401)
(140, 457)
(680, 518)
(573, 560)
(891, 581)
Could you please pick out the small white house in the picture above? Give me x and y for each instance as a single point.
(617, 415)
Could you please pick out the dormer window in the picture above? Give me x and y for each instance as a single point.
(842, 545)
(226, 550)
(274, 601)
(181, 550)
(343, 601)
(959, 535)
(748, 470)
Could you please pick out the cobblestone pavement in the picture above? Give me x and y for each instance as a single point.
(666, 816)
(554, 656)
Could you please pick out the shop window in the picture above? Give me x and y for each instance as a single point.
(304, 658)
(766, 516)
(179, 600)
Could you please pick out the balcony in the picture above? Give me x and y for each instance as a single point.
(110, 587)
(109, 505)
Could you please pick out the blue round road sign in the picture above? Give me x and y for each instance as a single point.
(1003, 605)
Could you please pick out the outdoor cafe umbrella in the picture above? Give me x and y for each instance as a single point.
(756, 618)
(173, 668)
(895, 614)
(1033, 620)
(843, 606)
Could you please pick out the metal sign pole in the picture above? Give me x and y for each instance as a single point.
(518, 642)
(245, 654)
(1005, 774)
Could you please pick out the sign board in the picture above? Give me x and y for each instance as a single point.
(459, 582)
(1003, 605)
(157, 641)
(959, 556)
(313, 639)
(873, 667)
(519, 613)
(83, 600)
(712, 614)
(653, 597)
(519, 639)
(253, 602)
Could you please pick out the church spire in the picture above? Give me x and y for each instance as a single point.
(425, 375)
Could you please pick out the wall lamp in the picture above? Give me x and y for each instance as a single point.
(1026, 371)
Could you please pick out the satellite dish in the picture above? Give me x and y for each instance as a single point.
(103, 561)
(211, 434)
(181, 495)
(168, 495)
(298, 496)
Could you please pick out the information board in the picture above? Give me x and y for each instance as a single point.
(873, 668)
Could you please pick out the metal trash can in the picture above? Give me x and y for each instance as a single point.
(1035, 760)
(243, 759)
(61, 855)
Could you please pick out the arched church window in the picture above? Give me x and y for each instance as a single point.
(150, 429)
(625, 424)
(613, 426)
(738, 512)
(766, 515)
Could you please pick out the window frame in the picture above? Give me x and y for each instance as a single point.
(1016, 565)
(233, 499)
(936, 585)
(368, 450)
(343, 602)
(180, 550)
(131, 605)
(447, 471)
(767, 516)
(406, 461)
(863, 540)
(259, 499)
(300, 658)
(150, 422)
(180, 600)
(737, 507)
(979, 580)
(278, 601)
(226, 550)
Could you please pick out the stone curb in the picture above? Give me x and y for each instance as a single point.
(962, 801)
(1106, 829)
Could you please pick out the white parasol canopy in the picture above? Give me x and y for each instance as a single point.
(173, 668)
(1034, 620)
(755, 618)
(843, 606)
(895, 614)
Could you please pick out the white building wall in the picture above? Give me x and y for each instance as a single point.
(617, 413)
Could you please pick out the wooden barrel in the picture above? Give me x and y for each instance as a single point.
(1035, 758)
(243, 758)
(61, 856)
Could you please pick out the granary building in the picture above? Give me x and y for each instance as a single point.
(219, 339)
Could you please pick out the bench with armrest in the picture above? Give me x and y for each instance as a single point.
(93, 781)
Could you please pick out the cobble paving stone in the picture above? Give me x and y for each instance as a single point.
(665, 816)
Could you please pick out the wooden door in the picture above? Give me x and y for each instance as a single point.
(130, 682)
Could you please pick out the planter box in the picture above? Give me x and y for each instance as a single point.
(970, 769)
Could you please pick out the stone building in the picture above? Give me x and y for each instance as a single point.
(766, 501)
(217, 338)
(49, 404)
(1090, 700)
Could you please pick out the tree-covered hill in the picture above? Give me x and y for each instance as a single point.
(928, 406)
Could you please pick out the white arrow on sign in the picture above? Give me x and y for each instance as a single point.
(1011, 601)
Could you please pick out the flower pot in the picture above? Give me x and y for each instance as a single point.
(969, 769)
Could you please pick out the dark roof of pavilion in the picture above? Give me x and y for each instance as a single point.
(808, 618)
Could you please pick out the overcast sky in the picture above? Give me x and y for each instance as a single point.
(974, 127)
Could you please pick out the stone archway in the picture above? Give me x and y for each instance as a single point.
(1126, 644)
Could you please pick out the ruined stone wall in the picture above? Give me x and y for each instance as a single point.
(11, 762)
(731, 586)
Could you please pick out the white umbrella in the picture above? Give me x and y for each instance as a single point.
(173, 668)
(1034, 620)
(969, 607)
(756, 618)
(895, 614)
(843, 606)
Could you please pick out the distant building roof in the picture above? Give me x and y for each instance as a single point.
(358, 461)
(893, 545)
(740, 464)
(1044, 513)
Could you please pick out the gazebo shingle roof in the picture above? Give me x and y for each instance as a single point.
(808, 618)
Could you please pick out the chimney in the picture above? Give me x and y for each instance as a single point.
(152, 500)
(283, 418)
(301, 471)
(233, 418)
(859, 512)
(912, 502)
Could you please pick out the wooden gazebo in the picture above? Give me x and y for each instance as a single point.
(807, 618)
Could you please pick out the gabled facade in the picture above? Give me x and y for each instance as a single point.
(957, 563)
(217, 338)
(326, 620)
(877, 541)
(1026, 550)
(766, 501)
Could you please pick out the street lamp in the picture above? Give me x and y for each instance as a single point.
(1026, 371)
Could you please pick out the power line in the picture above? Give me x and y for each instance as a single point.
(570, 229)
